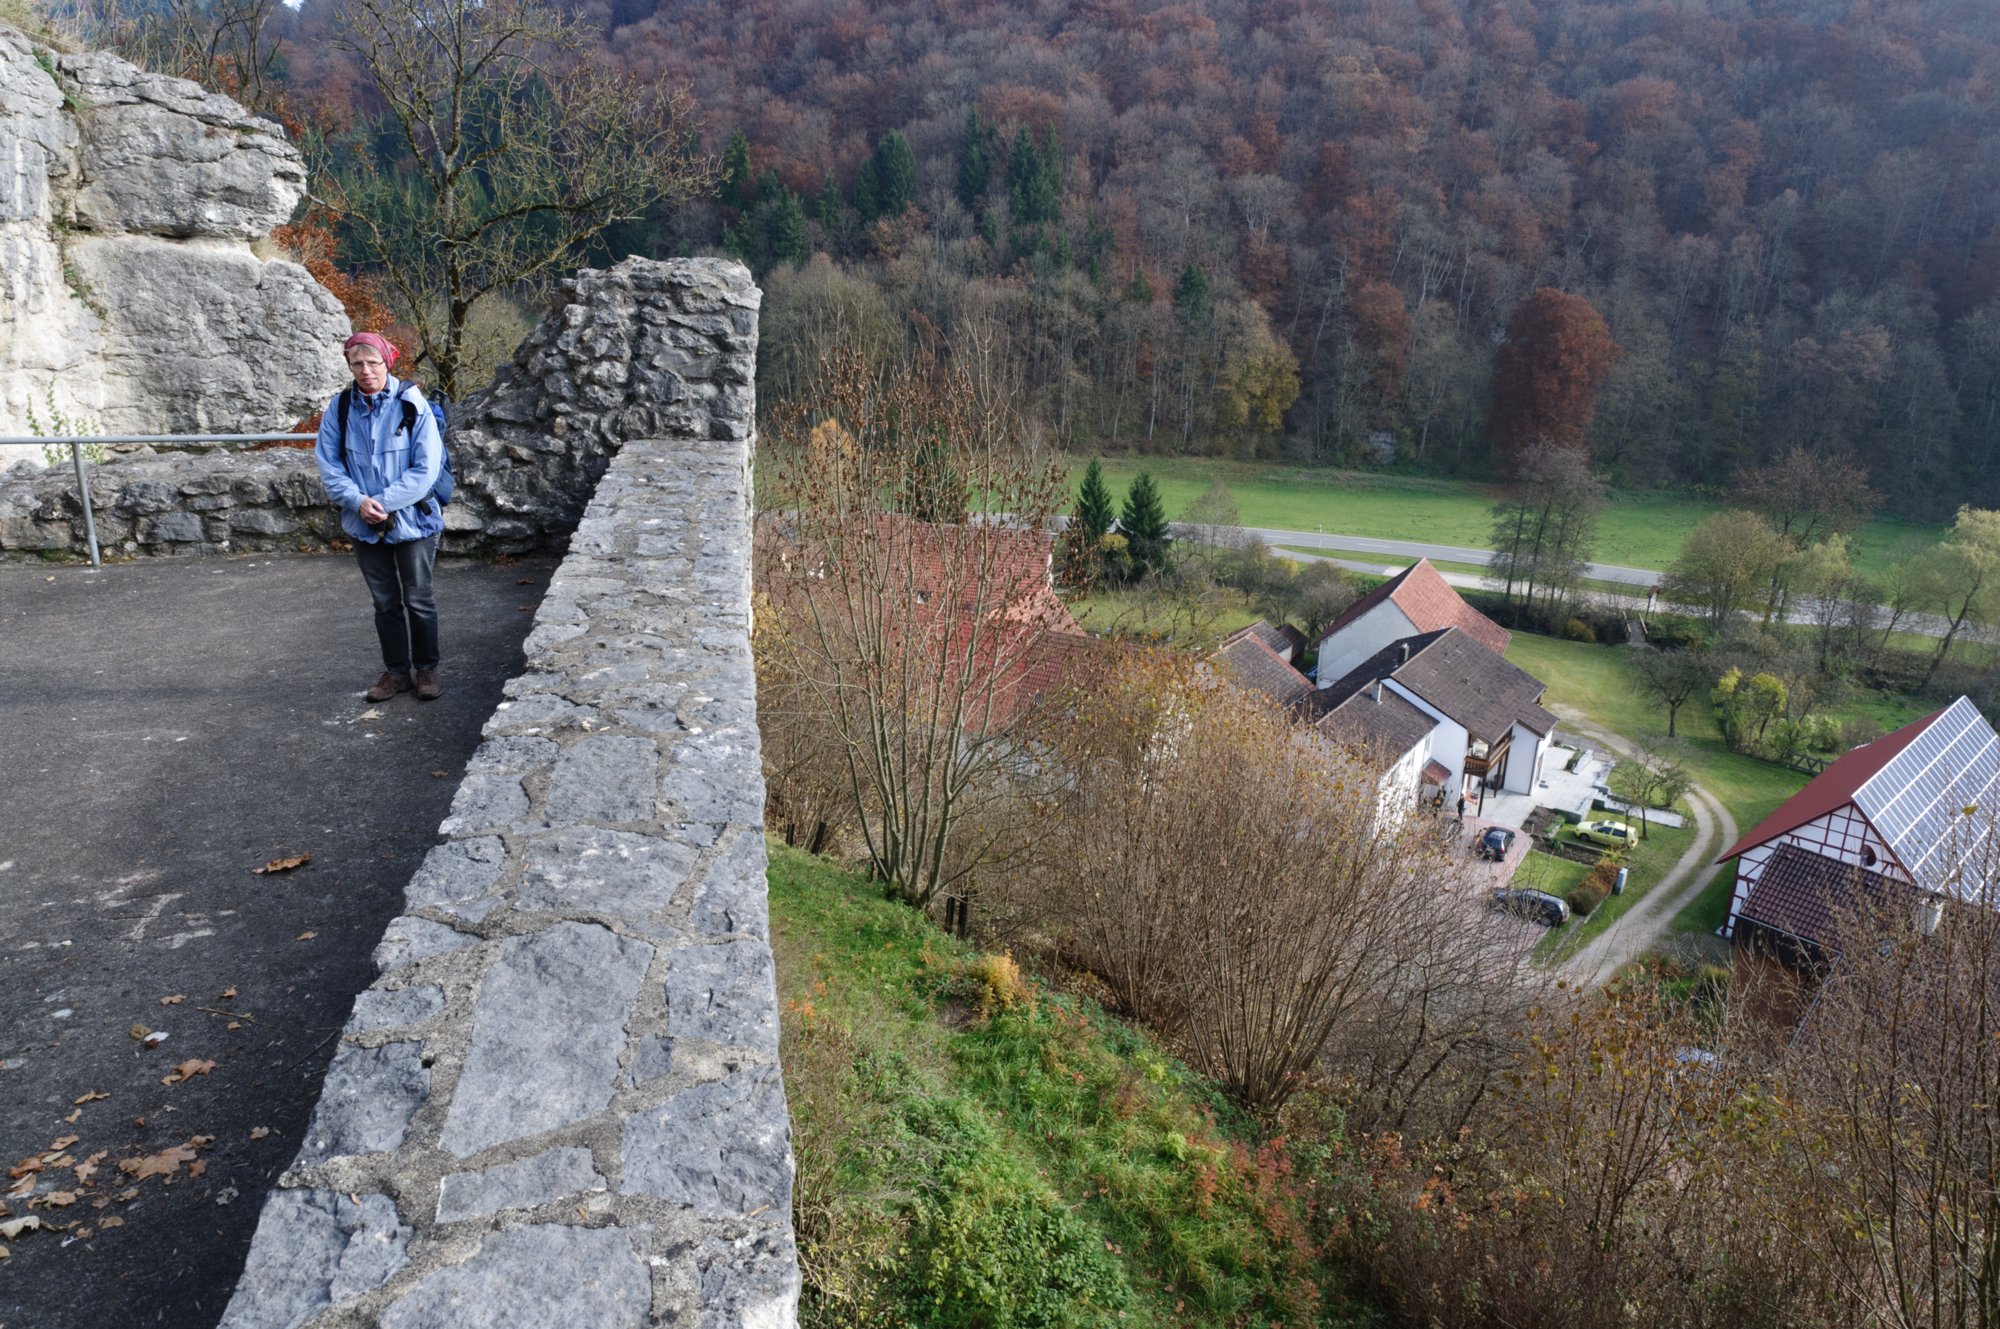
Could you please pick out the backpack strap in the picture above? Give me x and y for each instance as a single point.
(341, 406)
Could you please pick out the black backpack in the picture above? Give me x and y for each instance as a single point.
(447, 482)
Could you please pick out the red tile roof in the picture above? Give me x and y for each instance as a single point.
(1832, 787)
(1250, 662)
(1430, 603)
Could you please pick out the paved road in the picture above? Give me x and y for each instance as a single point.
(1362, 544)
(165, 727)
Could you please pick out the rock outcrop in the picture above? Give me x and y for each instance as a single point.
(641, 350)
(130, 291)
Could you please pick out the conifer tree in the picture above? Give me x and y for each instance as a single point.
(1093, 514)
(976, 144)
(1191, 301)
(1034, 179)
(1144, 521)
(787, 230)
(888, 182)
(827, 208)
(739, 178)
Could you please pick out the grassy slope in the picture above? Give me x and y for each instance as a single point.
(1039, 1164)
(1637, 530)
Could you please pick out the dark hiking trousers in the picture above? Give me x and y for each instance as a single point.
(406, 617)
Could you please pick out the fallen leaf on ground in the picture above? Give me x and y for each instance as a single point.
(174, 1000)
(154, 1039)
(6, 1254)
(59, 1199)
(58, 1160)
(25, 1166)
(128, 1195)
(232, 1025)
(305, 936)
(88, 1167)
(62, 1142)
(259, 1132)
(370, 714)
(524, 581)
(92, 1096)
(140, 1030)
(282, 865)
(25, 1186)
(439, 775)
(196, 1168)
(187, 1070)
(111, 1220)
(84, 1232)
(14, 1227)
(163, 1164)
(74, 1113)
(228, 992)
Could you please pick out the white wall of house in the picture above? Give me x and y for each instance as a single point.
(1448, 740)
(1396, 791)
(1842, 834)
(1524, 760)
(1344, 650)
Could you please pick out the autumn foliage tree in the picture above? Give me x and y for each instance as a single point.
(1546, 374)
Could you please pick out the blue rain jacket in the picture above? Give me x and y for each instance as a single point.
(381, 461)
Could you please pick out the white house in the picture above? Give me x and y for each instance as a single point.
(1889, 816)
(1386, 732)
(1488, 729)
(1414, 601)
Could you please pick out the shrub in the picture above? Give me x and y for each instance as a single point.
(999, 983)
(1586, 895)
(1578, 630)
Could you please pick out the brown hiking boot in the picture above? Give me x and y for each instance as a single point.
(388, 685)
(428, 688)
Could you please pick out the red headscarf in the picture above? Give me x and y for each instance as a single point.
(375, 340)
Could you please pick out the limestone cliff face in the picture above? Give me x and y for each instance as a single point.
(128, 284)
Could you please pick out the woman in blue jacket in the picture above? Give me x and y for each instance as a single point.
(379, 457)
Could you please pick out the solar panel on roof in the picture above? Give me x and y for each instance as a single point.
(1916, 802)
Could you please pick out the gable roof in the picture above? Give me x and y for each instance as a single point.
(1380, 723)
(1805, 894)
(1282, 641)
(1430, 603)
(1912, 786)
(1457, 675)
(1250, 662)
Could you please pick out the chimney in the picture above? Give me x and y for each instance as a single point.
(1406, 653)
(1378, 692)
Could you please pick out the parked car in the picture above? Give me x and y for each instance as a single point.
(1550, 910)
(1494, 844)
(1611, 834)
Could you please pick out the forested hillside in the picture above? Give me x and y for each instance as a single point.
(1278, 228)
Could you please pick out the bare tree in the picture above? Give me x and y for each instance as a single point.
(1895, 1083)
(1544, 533)
(515, 150)
(1670, 677)
(221, 44)
(1650, 776)
(914, 637)
(1235, 884)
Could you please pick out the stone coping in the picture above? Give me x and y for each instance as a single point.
(560, 1102)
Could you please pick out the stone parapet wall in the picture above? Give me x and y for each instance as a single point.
(560, 1103)
(640, 350)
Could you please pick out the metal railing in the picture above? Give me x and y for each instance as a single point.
(78, 443)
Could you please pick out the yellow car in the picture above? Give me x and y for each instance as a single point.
(1610, 834)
